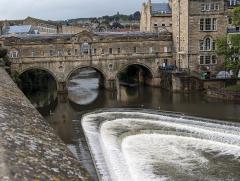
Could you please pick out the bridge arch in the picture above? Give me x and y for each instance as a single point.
(124, 67)
(39, 68)
(146, 74)
(98, 69)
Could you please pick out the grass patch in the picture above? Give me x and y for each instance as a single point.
(234, 88)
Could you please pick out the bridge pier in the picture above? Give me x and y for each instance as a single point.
(110, 85)
(154, 82)
(62, 87)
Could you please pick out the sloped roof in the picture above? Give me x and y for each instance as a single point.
(161, 8)
(19, 29)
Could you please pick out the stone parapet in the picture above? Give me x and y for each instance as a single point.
(29, 147)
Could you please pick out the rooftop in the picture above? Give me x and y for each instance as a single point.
(19, 29)
(161, 9)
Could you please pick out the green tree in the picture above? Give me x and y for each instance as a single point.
(229, 47)
(236, 16)
(3, 52)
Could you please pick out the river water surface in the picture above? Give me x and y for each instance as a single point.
(84, 95)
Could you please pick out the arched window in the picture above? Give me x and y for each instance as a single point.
(85, 48)
(13, 53)
(208, 43)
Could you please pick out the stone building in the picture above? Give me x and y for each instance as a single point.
(156, 17)
(195, 25)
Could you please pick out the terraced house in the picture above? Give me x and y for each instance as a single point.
(195, 26)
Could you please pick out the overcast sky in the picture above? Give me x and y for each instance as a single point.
(66, 9)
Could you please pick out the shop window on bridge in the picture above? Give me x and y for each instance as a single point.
(110, 51)
(150, 49)
(102, 52)
(165, 49)
(60, 53)
(69, 52)
(51, 53)
(33, 53)
(13, 54)
(134, 49)
(119, 50)
(85, 48)
(94, 51)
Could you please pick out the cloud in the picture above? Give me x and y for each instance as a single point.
(66, 9)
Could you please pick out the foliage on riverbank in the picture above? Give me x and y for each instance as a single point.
(234, 88)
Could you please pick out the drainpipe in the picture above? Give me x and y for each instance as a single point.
(179, 39)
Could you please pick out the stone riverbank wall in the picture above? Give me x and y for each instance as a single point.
(29, 147)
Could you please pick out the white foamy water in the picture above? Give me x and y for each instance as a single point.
(144, 146)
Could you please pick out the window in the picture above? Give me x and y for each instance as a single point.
(201, 24)
(201, 47)
(212, 7)
(59, 53)
(110, 51)
(13, 54)
(33, 53)
(119, 50)
(214, 24)
(95, 51)
(213, 45)
(76, 51)
(201, 60)
(207, 7)
(85, 48)
(165, 49)
(208, 24)
(103, 52)
(69, 52)
(214, 59)
(207, 59)
(207, 44)
(135, 49)
(150, 49)
(163, 25)
(202, 7)
(51, 53)
(155, 24)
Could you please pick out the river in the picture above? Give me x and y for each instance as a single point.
(84, 95)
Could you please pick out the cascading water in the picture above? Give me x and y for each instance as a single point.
(152, 145)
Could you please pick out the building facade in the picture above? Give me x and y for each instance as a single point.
(195, 26)
(156, 17)
(108, 53)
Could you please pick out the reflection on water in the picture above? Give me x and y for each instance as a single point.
(84, 95)
(83, 87)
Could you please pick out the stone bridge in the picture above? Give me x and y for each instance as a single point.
(107, 53)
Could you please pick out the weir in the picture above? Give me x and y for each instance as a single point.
(145, 145)
(30, 148)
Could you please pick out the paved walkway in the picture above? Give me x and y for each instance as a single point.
(29, 147)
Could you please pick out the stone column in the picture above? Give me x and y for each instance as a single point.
(62, 87)
(110, 85)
